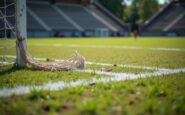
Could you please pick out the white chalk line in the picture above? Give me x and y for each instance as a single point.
(2, 63)
(56, 86)
(7, 47)
(100, 72)
(105, 46)
(96, 63)
(102, 46)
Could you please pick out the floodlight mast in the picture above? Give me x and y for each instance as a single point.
(21, 32)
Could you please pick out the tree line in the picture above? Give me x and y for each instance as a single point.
(137, 12)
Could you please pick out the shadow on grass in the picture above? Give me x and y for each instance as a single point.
(9, 70)
(14, 68)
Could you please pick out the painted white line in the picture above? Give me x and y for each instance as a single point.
(107, 73)
(8, 56)
(104, 46)
(96, 63)
(125, 65)
(101, 46)
(91, 71)
(7, 47)
(167, 49)
(6, 63)
(55, 86)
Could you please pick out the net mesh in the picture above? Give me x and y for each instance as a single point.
(75, 62)
(7, 18)
(8, 30)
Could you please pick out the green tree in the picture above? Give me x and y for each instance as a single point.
(135, 13)
(114, 6)
(147, 9)
(139, 11)
(132, 14)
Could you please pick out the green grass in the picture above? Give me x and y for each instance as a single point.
(110, 55)
(115, 68)
(159, 95)
(11, 76)
(141, 42)
(164, 94)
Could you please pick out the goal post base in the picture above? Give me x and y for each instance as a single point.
(21, 33)
(21, 53)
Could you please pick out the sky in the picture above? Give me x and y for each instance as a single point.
(160, 1)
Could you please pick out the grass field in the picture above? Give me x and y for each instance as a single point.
(110, 79)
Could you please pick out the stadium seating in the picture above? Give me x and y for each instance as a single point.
(49, 16)
(10, 16)
(170, 15)
(170, 20)
(179, 26)
(97, 9)
(45, 19)
(82, 16)
(33, 24)
(79, 19)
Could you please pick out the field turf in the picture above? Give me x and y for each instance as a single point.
(161, 94)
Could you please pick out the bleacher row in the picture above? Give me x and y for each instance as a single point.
(60, 19)
(10, 16)
(170, 20)
(44, 19)
(70, 19)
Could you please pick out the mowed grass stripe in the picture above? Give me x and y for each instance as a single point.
(11, 57)
(103, 46)
(163, 94)
(61, 85)
(149, 42)
(155, 95)
(36, 77)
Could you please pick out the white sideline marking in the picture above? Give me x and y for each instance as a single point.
(125, 65)
(88, 70)
(96, 63)
(6, 63)
(104, 46)
(55, 86)
(97, 71)
(8, 56)
(5, 48)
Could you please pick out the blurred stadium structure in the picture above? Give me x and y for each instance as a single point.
(72, 18)
(81, 18)
(170, 21)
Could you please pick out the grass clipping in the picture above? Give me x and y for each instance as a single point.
(75, 62)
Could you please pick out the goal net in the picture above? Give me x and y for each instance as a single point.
(13, 24)
(7, 30)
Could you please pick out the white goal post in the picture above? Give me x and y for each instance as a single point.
(21, 32)
(13, 20)
(23, 58)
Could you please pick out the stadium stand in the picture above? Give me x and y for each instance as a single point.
(10, 16)
(82, 16)
(72, 18)
(48, 18)
(170, 21)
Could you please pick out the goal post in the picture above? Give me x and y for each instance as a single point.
(21, 32)
(19, 29)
